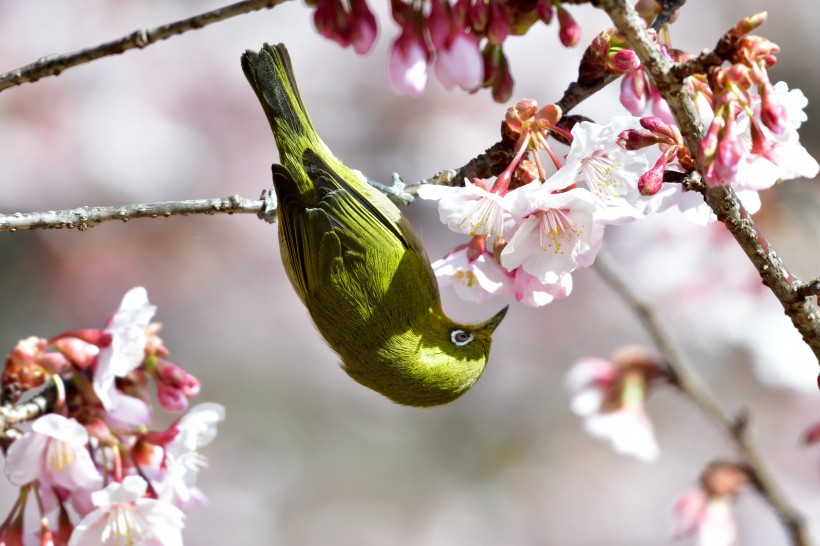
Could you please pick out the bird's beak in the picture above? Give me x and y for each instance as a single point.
(493, 323)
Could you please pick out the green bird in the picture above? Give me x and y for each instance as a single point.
(356, 262)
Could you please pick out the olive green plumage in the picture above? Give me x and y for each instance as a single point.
(356, 262)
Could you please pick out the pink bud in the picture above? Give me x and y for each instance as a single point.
(460, 63)
(727, 159)
(333, 21)
(407, 65)
(633, 92)
(660, 108)
(363, 27)
(624, 61)
(176, 377)
(544, 10)
(812, 434)
(94, 336)
(479, 16)
(772, 113)
(502, 85)
(461, 13)
(438, 24)
(400, 11)
(170, 398)
(498, 24)
(569, 31)
(80, 353)
(651, 181)
(633, 139)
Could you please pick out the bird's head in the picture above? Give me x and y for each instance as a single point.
(437, 364)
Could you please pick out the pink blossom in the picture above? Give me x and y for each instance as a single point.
(528, 290)
(628, 429)
(556, 231)
(183, 461)
(54, 452)
(709, 518)
(407, 65)
(472, 209)
(125, 353)
(124, 516)
(605, 168)
(474, 279)
(612, 405)
(459, 62)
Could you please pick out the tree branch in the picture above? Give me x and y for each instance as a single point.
(53, 65)
(722, 199)
(83, 218)
(689, 384)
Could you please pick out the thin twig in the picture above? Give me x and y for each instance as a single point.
(53, 65)
(688, 383)
(83, 218)
(40, 404)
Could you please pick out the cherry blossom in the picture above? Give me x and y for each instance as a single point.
(609, 396)
(606, 169)
(557, 229)
(474, 278)
(472, 209)
(54, 452)
(123, 355)
(124, 516)
(195, 430)
(711, 519)
(528, 290)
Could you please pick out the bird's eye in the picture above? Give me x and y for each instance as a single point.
(461, 338)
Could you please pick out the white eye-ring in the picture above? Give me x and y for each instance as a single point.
(461, 338)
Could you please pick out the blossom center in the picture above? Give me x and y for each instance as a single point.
(484, 216)
(60, 455)
(467, 278)
(125, 526)
(556, 229)
(599, 171)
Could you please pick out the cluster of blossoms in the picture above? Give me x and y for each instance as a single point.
(530, 230)
(610, 396)
(463, 39)
(751, 142)
(98, 474)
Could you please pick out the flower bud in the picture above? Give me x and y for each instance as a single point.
(544, 10)
(651, 181)
(497, 26)
(569, 31)
(634, 94)
(176, 377)
(170, 398)
(80, 353)
(438, 24)
(623, 61)
(407, 64)
(479, 16)
(363, 27)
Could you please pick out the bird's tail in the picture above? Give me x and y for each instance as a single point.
(270, 74)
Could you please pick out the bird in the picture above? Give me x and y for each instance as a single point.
(356, 262)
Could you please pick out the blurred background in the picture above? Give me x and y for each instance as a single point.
(307, 456)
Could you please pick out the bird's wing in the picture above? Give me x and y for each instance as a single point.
(356, 209)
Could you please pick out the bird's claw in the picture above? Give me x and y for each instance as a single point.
(269, 206)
